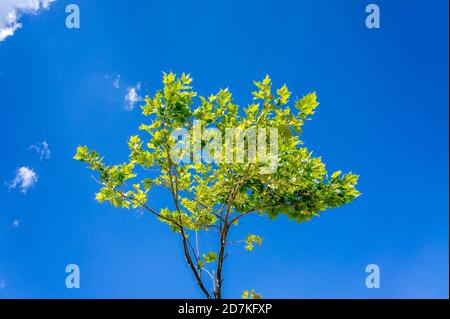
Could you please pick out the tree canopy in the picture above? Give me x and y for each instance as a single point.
(213, 195)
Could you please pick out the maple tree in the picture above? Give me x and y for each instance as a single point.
(212, 196)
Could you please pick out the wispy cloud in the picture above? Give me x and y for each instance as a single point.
(25, 179)
(116, 82)
(12, 10)
(42, 150)
(16, 223)
(132, 97)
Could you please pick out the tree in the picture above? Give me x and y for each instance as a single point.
(210, 194)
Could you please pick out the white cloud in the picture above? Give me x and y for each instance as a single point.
(12, 10)
(116, 82)
(42, 149)
(25, 178)
(132, 97)
(16, 223)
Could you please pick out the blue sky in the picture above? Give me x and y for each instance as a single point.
(383, 114)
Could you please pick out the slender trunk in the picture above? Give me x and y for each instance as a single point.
(191, 264)
(220, 260)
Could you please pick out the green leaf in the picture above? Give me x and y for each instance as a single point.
(148, 183)
(336, 174)
(81, 154)
(283, 94)
(307, 104)
(251, 295)
(251, 240)
(210, 257)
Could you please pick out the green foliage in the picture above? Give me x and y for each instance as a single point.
(210, 257)
(216, 195)
(251, 295)
(251, 240)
